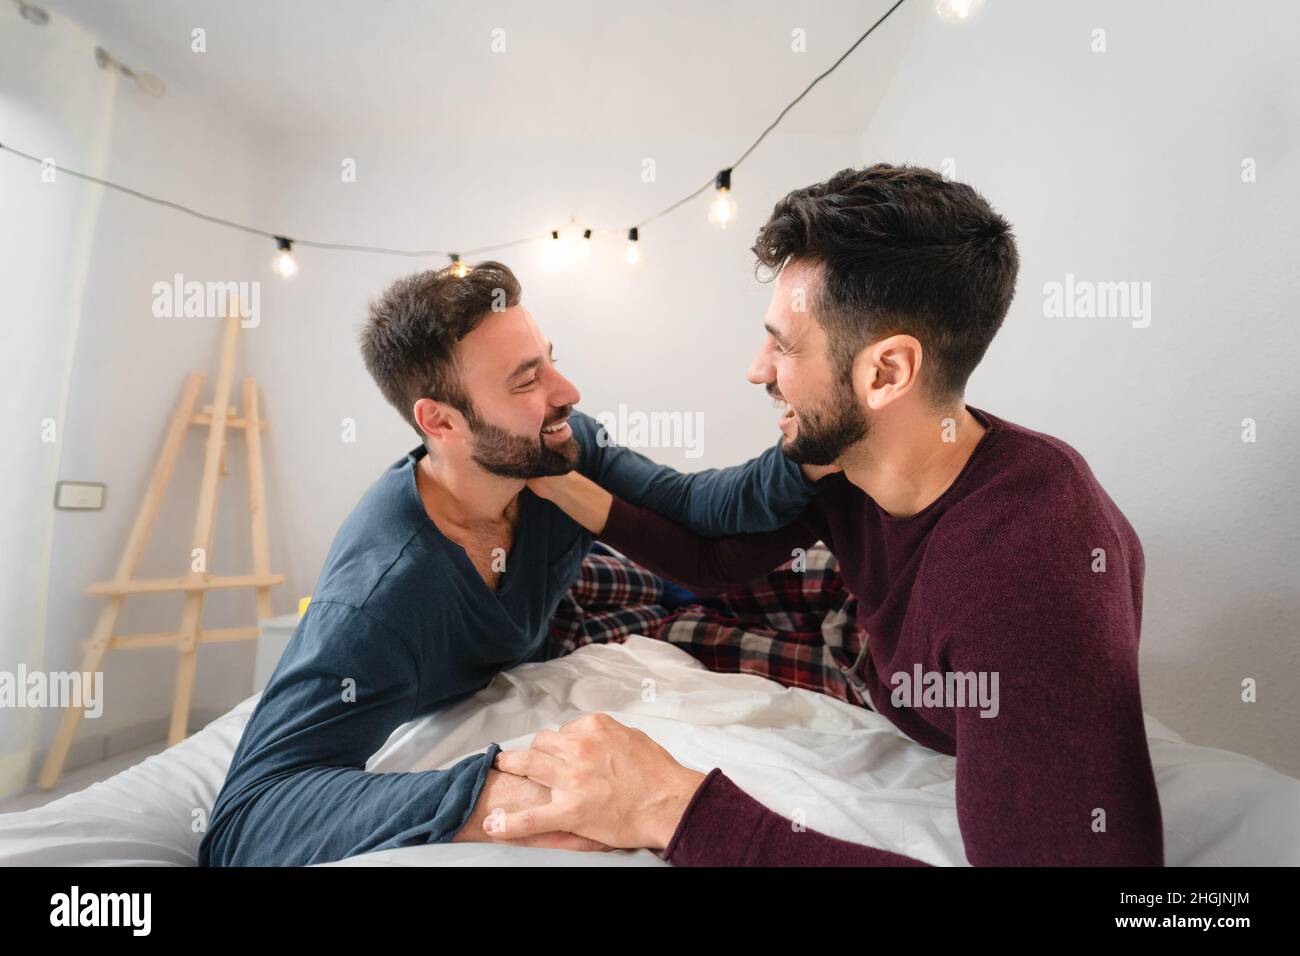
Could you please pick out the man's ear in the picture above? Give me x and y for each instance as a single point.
(435, 418)
(886, 370)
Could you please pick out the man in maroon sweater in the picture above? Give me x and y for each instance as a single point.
(999, 586)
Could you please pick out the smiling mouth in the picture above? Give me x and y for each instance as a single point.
(556, 427)
(779, 402)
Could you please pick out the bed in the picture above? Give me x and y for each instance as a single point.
(848, 771)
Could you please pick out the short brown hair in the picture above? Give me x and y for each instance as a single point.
(409, 344)
(899, 249)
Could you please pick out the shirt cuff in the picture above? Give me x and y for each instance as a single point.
(480, 781)
(714, 828)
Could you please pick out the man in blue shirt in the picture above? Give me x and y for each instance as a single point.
(445, 574)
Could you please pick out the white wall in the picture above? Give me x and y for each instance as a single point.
(1126, 165)
(49, 109)
(126, 377)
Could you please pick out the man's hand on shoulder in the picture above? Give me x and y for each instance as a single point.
(818, 472)
(577, 496)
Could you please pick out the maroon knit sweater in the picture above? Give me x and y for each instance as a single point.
(1025, 568)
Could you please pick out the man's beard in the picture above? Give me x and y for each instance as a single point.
(825, 431)
(508, 455)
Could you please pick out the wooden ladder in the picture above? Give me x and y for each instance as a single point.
(217, 418)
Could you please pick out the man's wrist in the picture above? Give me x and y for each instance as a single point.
(673, 806)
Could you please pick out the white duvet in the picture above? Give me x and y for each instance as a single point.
(841, 769)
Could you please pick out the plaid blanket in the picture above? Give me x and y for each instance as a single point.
(793, 626)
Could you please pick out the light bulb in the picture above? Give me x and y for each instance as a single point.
(283, 262)
(723, 208)
(458, 268)
(633, 251)
(584, 247)
(559, 251)
(957, 10)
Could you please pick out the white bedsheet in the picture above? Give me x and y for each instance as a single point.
(849, 772)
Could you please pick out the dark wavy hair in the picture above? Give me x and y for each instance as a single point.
(899, 249)
(409, 343)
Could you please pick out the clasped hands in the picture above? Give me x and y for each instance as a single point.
(594, 784)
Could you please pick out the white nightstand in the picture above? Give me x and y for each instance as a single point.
(276, 632)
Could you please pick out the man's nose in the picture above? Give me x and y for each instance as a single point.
(761, 370)
(564, 392)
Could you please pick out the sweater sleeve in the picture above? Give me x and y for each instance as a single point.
(1057, 771)
(705, 565)
(724, 826)
(764, 493)
(297, 791)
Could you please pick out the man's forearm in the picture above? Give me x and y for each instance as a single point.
(705, 565)
(765, 493)
(325, 814)
(725, 826)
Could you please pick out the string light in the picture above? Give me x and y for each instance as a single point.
(283, 262)
(721, 211)
(957, 10)
(560, 252)
(458, 268)
(723, 208)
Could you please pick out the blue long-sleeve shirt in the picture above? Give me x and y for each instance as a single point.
(401, 624)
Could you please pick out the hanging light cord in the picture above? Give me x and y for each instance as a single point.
(426, 253)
